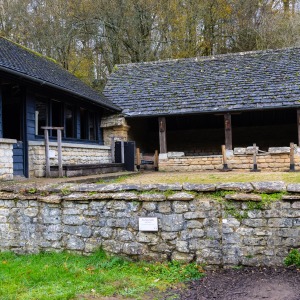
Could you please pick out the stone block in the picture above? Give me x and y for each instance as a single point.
(181, 196)
(152, 197)
(243, 197)
(180, 207)
(236, 186)
(199, 187)
(239, 151)
(134, 248)
(269, 186)
(250, 150)
(173, 222)
(279, 150)
(164, 207)
(175, 154)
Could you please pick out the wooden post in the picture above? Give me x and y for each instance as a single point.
(47, 152)
(225, 166)
(162, 135)
(255, 169)
(59, 153)
(228, 131)
(292, 157)
(46, 134)
(112, 142)
(138, 158)
(298, 125)
(156, 160)
(122, 153)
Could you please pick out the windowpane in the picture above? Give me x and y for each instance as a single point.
(92, 126)
(41, 116)
(83, 124)
(69, 122)
(57, 112)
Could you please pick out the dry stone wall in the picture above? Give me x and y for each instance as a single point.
(267, 162)
(71, 154)
(228, 224)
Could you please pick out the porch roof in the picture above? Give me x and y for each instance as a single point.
(223, 83)
(23, 63)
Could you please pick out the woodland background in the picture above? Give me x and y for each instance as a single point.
(89, 37)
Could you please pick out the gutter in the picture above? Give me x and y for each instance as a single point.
(214, 112)
(57, 87)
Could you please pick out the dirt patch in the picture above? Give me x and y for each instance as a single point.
(246, 284)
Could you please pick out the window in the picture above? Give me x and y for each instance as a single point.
(78, 124)
(69, 122)
(88, 129)
(92, 126)
(41, 116)
(56, 115)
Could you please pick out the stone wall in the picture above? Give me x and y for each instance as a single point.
(197, 222)
(71, 154)
(6, 159)
(265, 162)
(114, 127)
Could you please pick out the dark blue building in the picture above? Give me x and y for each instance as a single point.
(35, 92)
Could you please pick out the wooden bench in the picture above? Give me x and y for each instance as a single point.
(87, 169)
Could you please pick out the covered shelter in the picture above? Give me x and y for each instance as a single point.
(196, 105)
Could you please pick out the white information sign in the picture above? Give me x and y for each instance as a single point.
(148, 224)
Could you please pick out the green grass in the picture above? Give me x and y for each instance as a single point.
(208, 177)
(63, 276)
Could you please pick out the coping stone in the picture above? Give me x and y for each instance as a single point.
(236, 186)
(278, 150)
(293, 188)
(269, 186)
(199, 187)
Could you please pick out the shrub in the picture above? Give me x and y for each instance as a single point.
(293, 258)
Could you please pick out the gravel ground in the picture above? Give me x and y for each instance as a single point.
(246, 284)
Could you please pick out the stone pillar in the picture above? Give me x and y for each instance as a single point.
(6, 159)
(114, 126)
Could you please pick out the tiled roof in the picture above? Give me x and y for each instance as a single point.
(223, 83)
(19, 60)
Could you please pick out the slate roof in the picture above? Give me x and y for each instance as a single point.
(20, 61)
(224, 83)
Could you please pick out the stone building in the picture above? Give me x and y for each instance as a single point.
(36, 92)
(188, 108)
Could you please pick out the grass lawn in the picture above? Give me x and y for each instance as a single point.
(208, 177)
(65, 276)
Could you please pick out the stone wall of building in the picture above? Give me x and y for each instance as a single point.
(265, 162)
(6, 159)
(196, 222)
(114, 127)
(71, 154)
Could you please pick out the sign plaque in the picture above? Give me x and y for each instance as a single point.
(148, 224)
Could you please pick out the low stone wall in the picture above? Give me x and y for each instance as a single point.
(266, 162)
(71, 154)
(196, 222)
(6, 159)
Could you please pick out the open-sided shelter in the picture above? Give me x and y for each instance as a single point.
(193, 106)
